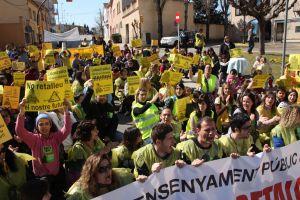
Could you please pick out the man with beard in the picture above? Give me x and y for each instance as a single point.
(161, 154)
(202, 148)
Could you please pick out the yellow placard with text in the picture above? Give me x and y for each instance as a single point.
(11, 95)
(182, 62)
(19, 78)
(145, 63)
(5, 61)
(199, 78)
(102, 77)
(196, 59)
(153, 59)
(294, 61)
(116, 50)
(259, 81)
(236, 53)
(137, 43)
(61, 73)
(154, 43)
(49, 60)
(133, 84)
(180, 105)
(171, 78)
(47, 45)
(4, 132)
(18, 66)
(44, 95)
(99, 49)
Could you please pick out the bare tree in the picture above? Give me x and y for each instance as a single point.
(160, 4)
(100, 24)
(224, 4)
(263, 11)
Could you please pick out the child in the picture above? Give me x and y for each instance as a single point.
(280, 95)
(233, 81)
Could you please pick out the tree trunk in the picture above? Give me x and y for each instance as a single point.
(262, 29)
(186, 7)
(159, 20)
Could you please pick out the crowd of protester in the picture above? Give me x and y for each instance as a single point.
(77, 153)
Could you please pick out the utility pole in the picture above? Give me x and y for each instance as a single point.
(285, 33)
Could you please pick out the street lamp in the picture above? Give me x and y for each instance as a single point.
(284, 39)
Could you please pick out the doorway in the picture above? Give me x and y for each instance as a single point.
(279, 31)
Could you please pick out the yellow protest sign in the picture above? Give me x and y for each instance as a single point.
(294, 61)
(154, 43)
(199, 78)
(133, 84)
(44, 95)
(58, 74)
(236, 53)
(11, 95)
(116, 50)
(196, 59)
(19, 78)
(102, 77)
(18, 66)
(137, 43)
(259, 81)
(1, 89)
(171, 77)
(180, 106)
(4, 61)
(145, 63)
(165, 77)
(98, 49)
(49, 60)
(153, 59)
(47, 45)
(4, 132)
(183, 62)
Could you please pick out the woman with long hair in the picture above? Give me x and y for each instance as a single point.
(201, 111)
(224, 106)
(285, 132)
(145, 83)
(122, 155)
(268, 116)
(12, 173)
(78, 83)
(44, 144)
(97, 178)
(292, 96)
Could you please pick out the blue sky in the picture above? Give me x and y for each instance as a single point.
(80, 11)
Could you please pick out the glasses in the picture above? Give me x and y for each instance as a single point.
(104, 169)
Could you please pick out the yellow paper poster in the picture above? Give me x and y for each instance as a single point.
(154, 43)
(1, 89)
(236, 53)
(98, 49)
(102, 77)
(4, 132)
(137, 43)
(153, 59)
(196, 59)
(259, 81)
(4, 61)
(183, 62)
(58, 74)
(18, 66)
(145, 63)
(49, 60)
(133, 84)
(11, 95)
(199, 78)
(47, 45)
(165, 77)
(294, 61)
(19, 78)
(180, 105)
(44, 95)
(117, 51)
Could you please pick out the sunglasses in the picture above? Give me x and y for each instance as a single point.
(104, 169)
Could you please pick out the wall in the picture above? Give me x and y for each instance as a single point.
(6, 31)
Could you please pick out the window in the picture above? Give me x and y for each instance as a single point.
(30, 14)
(118, 8)
(120, 25)
(297, 29)
(34, 15)
(238, 12)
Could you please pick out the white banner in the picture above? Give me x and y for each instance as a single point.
(71, 35)
(267, 176)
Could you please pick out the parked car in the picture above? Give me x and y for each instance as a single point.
(186, 39)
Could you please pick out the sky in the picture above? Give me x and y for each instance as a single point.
(79, 11)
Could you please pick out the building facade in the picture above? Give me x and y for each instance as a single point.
(138, 18)
(20, 18)
(274, 27)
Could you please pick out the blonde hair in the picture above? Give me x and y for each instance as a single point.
(290, 117)
(144, 82)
